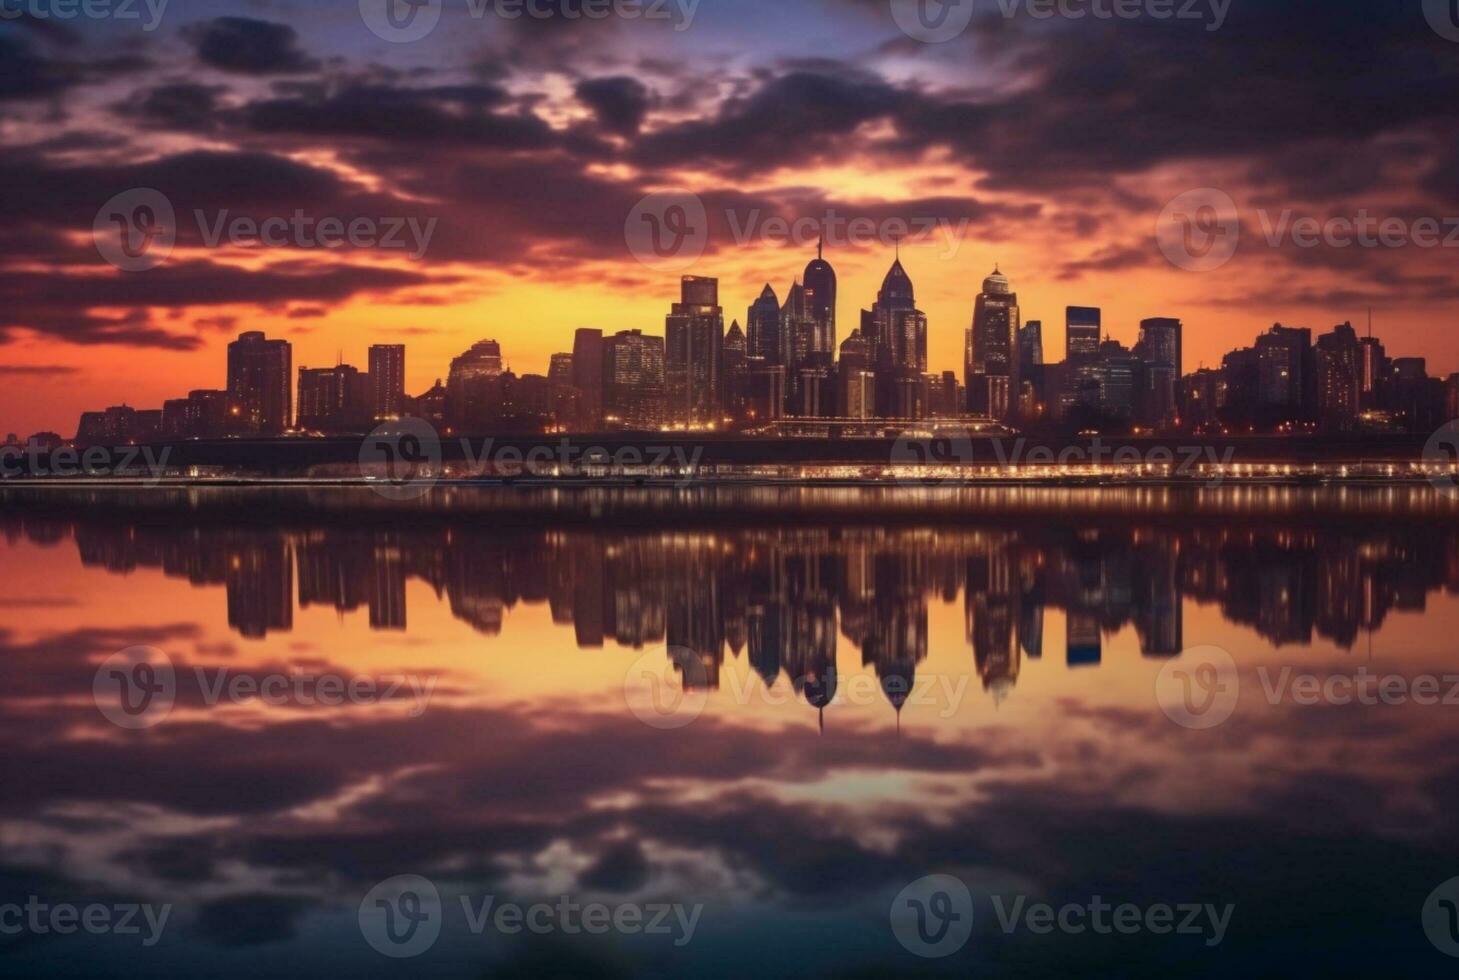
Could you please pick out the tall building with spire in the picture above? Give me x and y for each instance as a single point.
(992, 363)
(820, 288)
(897, 332)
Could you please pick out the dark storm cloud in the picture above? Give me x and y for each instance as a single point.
(62, 302)
(250, 47)
(442, 116)
(26, 72)
(790, 119)
(619, 102)
(1112, 98)
(179, 105)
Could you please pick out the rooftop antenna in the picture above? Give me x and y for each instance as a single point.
(821, 246)
(1370, 323)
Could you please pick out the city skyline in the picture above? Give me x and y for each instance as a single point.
(533, 164)
(789, 362)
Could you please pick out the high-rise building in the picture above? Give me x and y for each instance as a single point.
(1338, 359)
(1283, 358)
(387, 381)
(855, 380)
(1160, 348)
(260, 377)
(1201, 398)
(474, 388)
(820, 288)
(1030, 346)
(897, 332)
(560, 370)
(734, 359)
(1083, 330)
(330, 399)
(991, 369)
(762, 327)
(694, 340)
(587, 373)
(633, 381)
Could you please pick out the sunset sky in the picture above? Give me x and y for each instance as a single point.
(1053, 144)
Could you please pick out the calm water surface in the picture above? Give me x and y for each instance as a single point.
(781, 706)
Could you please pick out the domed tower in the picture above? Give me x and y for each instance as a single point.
(991, 369)
(820, 286)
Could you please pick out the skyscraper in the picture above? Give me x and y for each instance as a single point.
(898, 339)
(820, 287)
(1030, 346)
(1283, 357)
(332, 400)
(1160, 347)
(762, 327)
(694, 340)
(387, 381)
(633, 380)
(474, 388)
(587, 374)
(734, 357)
(260, 376)
(1338, 361)
(992, 362)
(1082, 333)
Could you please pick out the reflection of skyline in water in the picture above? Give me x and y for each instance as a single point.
(781, 596)
(528, 776)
